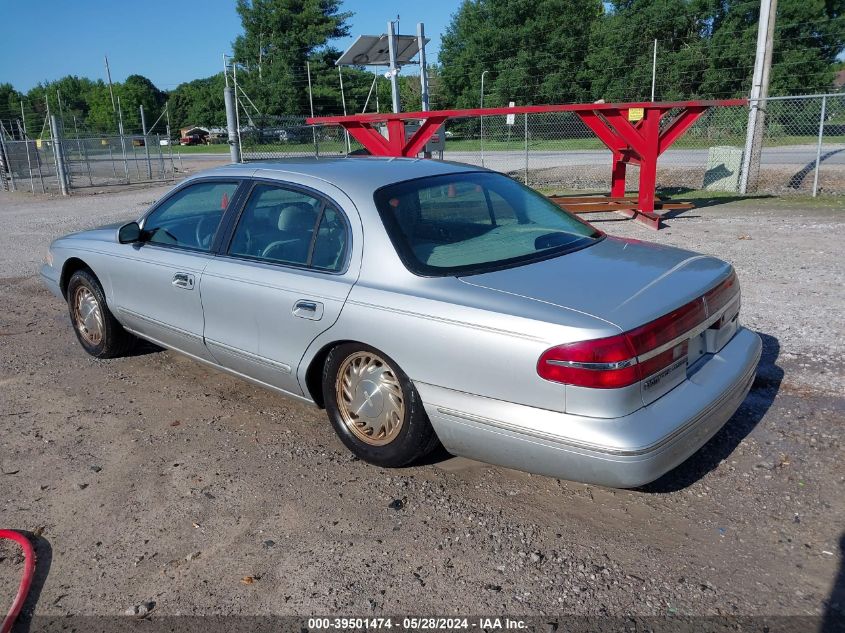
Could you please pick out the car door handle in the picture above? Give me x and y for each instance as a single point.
(307, 309)
(183, 280)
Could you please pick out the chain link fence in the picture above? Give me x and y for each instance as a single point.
(58, 160)
(803, 146)
(273, 137)
(803, 151)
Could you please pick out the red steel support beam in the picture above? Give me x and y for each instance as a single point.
(617, 176)
(680, 124)
(640, 142)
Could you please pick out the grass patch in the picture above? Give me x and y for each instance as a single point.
(198, 149)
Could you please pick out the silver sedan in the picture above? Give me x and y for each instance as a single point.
(424, 302)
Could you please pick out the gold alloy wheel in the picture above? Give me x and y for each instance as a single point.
(370, 399)
(87, 317)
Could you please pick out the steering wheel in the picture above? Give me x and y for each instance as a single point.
(271, 247)
(202, 233)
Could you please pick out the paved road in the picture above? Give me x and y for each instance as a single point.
(786, 155)
(799, 155)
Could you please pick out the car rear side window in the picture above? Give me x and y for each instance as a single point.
(473, 222)
(190, 217)
(288, 226)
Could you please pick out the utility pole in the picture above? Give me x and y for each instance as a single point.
(394, 67)
(111, 92)
(759, 93)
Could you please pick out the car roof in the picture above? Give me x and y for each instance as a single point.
(357, 176)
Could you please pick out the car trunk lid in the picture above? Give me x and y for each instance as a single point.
(625, 282)
(633, 284)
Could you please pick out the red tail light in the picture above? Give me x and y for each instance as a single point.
(625, 359)
(604, 363)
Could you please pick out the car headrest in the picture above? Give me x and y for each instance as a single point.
(297, 216)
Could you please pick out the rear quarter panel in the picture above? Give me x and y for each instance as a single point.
(447, 334)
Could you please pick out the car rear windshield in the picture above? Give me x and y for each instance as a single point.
(475, 222)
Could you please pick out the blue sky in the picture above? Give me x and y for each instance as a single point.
(155, 38)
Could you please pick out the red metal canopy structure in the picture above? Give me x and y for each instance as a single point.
(633, 132)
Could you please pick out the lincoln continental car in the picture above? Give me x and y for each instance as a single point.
(423, 302)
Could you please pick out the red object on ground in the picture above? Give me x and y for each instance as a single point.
(26, 579)
(631, 138)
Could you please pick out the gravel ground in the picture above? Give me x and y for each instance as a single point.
(151, 479)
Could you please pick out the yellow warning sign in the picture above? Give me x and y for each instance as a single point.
(635, 114)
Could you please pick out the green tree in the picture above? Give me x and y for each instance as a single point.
(135, 91)
(619, 65)
(534, 51)
(279, 37)
(198, 102)
(10, 102)
(809, 34)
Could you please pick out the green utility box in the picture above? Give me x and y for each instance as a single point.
(724, 164)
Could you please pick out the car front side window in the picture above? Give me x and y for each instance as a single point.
(288, 226)
(190, 217)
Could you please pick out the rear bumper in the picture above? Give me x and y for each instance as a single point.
(621, 452)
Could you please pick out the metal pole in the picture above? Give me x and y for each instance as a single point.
(23, 118)
(49, 121)
(122, 139)
(111, 158)
(369, 94)
(526, 149)
(311, 102)
(80, 147)
(111, 90)
(4, 159)
(22, 131)
(225, 70)
(146, 143)
(654, 69)
(423, 66)
(161, 157)
(394, 68)
(481, 118)
(819, 147)
(231, 125)
(343, 101)
(237, 112)
(423, 74)
(26, 140)
(759, 92)
(169, 137)
(57, 151)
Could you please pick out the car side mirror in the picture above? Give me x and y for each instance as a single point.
(129, 233)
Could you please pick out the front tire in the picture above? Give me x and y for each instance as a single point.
(97, 330)
(374, 408)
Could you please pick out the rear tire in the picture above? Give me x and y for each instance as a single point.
(374, 408)
(97, 330)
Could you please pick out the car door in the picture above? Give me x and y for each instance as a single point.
(156, 281)
(281, 281)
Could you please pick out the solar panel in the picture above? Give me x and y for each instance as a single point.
(372, 50)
